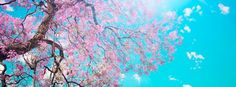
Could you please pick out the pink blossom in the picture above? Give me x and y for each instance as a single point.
(95, 40)
(19, 67)
(173, 35)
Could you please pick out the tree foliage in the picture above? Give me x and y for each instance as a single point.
(82, 42)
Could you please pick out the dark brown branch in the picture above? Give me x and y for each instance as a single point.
(18, 81)
(75, 83)
(6, 3)
(57, 46)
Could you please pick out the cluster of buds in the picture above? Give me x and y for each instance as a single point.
(11, 53)
(2, 47)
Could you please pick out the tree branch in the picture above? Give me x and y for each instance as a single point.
(93, 11)
(6, 3)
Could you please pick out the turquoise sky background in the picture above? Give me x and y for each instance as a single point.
(213, 35)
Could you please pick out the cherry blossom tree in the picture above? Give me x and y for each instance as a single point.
(82, 42)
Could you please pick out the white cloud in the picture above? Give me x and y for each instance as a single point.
(172, 78)
(186, 28)
(194, 55)
(137, 77)
(1, 68)
(196, 58)
(7, 7)
(187, 12)
(47, 75)
(224, 9)
(200, 12)
(21, 59)
(195, 9)
(28, 57)
(187, 85)
(198, 8)
(122, 76)
(171, 14)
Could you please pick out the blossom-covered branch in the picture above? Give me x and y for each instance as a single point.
(83, 42)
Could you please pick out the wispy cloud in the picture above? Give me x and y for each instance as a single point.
(7, 7)
(122, 76)
(172, 78)
(224, 9)
(192, 10)
(187, 85)
(199, 9)
(137, 77)
(197, 58)
(186, 28)
(1, 68)
(187, 12)
(194, 55)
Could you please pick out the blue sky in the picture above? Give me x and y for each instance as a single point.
(212, 36)
(206, 57)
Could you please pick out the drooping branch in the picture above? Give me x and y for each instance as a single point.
(6, 3)
(96, 55)
(56, 60)
(57, 63)
(93, 11)
(54, 44)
